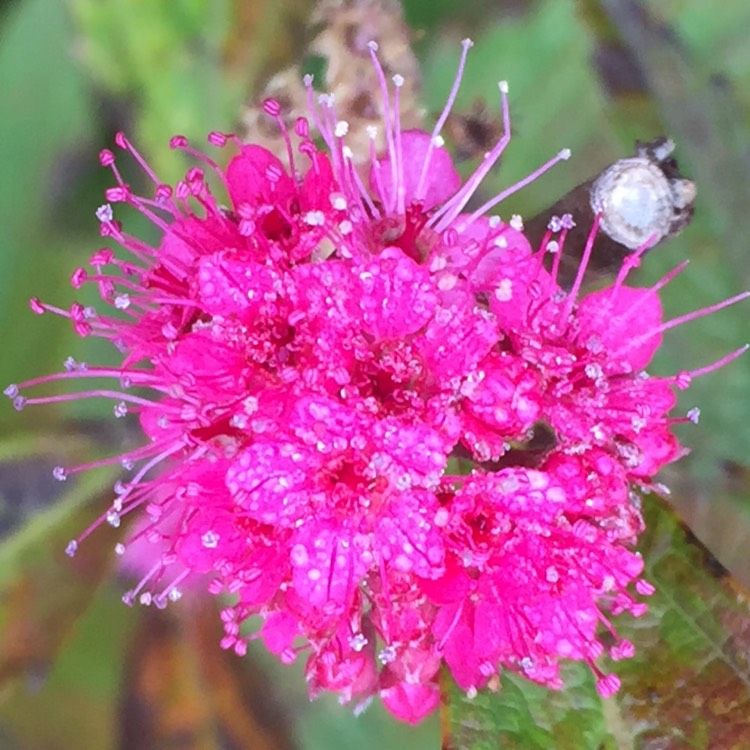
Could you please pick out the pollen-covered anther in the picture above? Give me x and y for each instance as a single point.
(315, 218)
(338, 201)
(104, 213)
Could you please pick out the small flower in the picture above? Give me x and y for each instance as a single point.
(525, 574)
(310, 362)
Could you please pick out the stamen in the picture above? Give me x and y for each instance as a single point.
(388, 122)
(716, 365)
(484, 208)
(680, 320)
(122, 141)
(63, 397)
(273, 108)
(466, 45)
(452, 208)
(573, 294)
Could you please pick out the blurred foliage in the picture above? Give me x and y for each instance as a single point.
(591, 75)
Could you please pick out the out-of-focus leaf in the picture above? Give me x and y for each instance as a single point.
(549, 110)
(43, 592)
(73, 703)
(168, 56)
(265, 37)
(721, 511)
(182, 690)
(325, 724)
(189, 64)
(45, 109)
(688, 685)
(426, 15)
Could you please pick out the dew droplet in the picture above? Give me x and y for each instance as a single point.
(299, 556)
(210, 540)
(387, 655)
(358, 642)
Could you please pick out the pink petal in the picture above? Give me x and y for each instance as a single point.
(256, 177)
(411, 703)
(442, 180)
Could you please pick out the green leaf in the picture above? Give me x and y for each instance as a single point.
(189, 64)
(526, 716)
(46, 109)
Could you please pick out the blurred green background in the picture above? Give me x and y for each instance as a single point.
(77, 669)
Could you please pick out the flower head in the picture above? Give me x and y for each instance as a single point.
(310, 364)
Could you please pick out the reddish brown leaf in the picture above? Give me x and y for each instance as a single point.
(690, 683)
(43, 592)
(183, 691)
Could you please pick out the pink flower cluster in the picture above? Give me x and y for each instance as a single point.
(335, 374)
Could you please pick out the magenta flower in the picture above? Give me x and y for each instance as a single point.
(308, 366)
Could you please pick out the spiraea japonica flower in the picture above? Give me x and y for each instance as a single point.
(336, 370)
